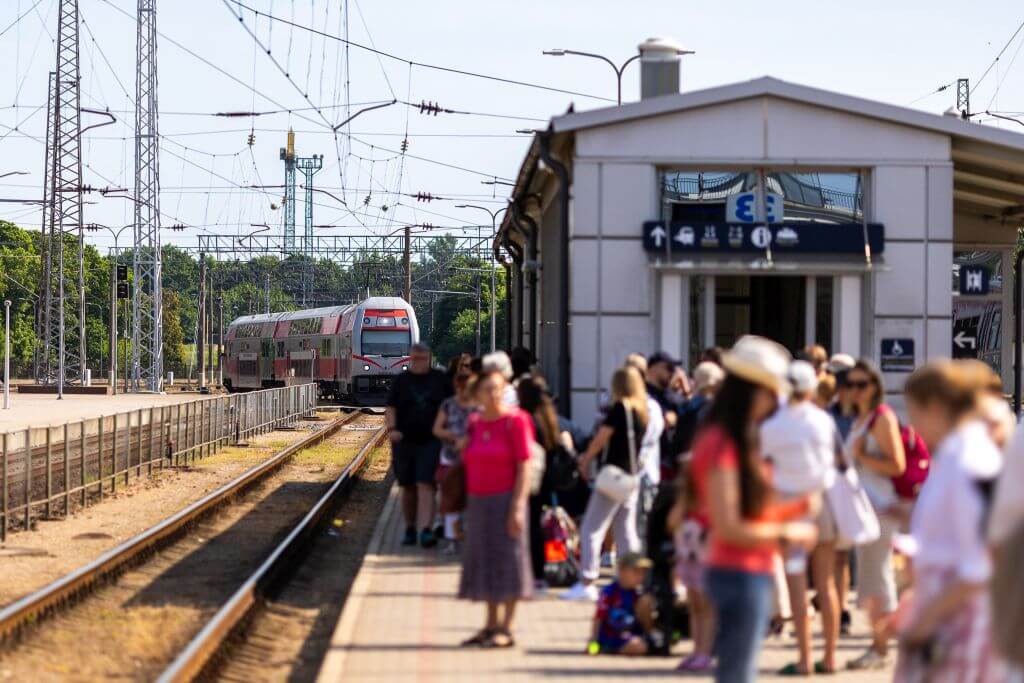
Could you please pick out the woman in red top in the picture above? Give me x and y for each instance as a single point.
(496, 556)
(733, 489)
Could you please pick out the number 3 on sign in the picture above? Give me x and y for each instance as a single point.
(745, 208)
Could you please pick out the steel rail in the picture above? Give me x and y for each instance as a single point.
(38, 604)
(199, 653)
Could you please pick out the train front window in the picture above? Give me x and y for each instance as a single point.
(385, 342)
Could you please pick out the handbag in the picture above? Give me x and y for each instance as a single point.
(855, 518)
(563, 472)
(614, 482)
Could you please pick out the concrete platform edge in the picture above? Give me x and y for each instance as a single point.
(333, 667)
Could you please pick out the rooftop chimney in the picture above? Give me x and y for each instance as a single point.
(659, 67)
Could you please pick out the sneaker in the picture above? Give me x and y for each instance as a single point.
(869, 661)
(845, 623)
(581, 591)
(608, 560)
(410, 536)
(427, 538)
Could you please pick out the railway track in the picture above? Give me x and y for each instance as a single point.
(186, 586)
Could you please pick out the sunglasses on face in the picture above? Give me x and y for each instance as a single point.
(858, 385)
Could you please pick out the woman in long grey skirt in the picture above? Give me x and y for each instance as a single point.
(496, 556)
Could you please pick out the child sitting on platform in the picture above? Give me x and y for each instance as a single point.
(623, 614)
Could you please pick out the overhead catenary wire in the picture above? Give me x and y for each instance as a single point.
(423, 65)
(978, 81)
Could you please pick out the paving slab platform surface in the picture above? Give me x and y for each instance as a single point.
(41, 410)
(401, 622)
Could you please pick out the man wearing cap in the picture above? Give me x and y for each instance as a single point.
(660, 368)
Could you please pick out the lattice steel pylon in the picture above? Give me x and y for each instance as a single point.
(63, 318)
(309, 166)
(288, 156)
(147, 295)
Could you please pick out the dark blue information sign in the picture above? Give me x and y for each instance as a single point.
(974, 279)
(783, 238)
(897, 355)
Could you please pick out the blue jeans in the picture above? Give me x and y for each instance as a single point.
(743, 605)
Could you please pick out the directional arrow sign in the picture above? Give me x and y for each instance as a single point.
(964, 342)
(658, 234)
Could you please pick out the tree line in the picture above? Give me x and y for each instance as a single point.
(444, 295)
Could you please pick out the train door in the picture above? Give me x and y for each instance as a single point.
(266, 359)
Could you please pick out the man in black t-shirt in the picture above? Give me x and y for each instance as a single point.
(412, 406)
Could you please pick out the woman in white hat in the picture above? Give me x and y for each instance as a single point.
(733, 486)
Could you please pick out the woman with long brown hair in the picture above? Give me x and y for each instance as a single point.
(733, 488)
(532, 391)
(616, 494)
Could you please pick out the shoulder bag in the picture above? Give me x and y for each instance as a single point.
(855, 518)
(614, 482)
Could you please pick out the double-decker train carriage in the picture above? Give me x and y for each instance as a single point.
(352, 352)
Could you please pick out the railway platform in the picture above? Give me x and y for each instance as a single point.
(401, 622)
(40, 410)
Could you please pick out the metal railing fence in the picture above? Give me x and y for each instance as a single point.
(48, 469)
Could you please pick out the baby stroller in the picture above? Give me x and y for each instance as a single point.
(561, 547)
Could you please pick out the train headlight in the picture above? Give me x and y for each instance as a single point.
(404, 368)
(366, 368)
(405, 321)
(366, 321)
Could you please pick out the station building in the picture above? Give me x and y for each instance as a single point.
(687, 219)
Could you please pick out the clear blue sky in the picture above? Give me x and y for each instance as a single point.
(891, 51)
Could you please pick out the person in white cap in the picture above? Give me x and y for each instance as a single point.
(732, 486)
(800, 441)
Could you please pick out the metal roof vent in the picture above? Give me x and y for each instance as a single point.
(659, 67)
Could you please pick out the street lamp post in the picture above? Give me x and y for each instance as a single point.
(115, 233)
(494, 231)
(618, 69)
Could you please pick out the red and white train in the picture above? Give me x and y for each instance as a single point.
(352, 351)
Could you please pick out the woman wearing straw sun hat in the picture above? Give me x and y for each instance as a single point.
(733, 488)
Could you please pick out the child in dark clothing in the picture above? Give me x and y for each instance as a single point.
(623, 614)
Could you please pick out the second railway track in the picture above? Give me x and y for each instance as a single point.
(174, 582)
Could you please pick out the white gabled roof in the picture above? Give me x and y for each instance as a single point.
(768, 86)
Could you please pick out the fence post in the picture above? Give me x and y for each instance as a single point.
(113, 453)
(3, 527)
(81, 447)
(152, 439)
(138, 449)
(100, 443)
(178, 443)
(67, 472)
(28, 478)
(49, 471)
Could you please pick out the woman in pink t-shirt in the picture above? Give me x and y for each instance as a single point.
(496, 557)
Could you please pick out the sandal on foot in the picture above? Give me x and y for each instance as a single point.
(792, 670)
(820, 668)
(499, 639)
(481, 638)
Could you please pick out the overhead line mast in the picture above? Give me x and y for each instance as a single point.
(63, 322)
(147, 294)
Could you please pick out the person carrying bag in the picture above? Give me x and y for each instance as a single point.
(615, 499)
(612, 480)
(855, 518)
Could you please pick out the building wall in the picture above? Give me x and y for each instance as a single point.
(616, 295)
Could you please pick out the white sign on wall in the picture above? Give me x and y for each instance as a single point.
(745, 207)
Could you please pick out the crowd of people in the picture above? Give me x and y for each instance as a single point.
(729, 504)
